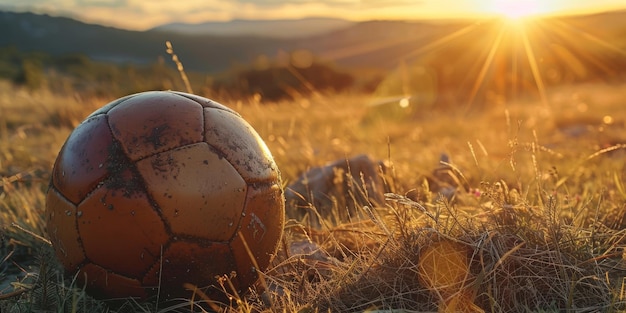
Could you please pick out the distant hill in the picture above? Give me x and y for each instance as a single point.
(381, 44)
(370, 44)
(60, 35)
(355, 44)
(297, 28)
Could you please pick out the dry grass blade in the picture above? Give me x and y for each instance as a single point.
(31, 233)
(409, 203)
(606, 150)
(179, 65)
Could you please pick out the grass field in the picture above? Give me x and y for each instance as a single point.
(532, 220)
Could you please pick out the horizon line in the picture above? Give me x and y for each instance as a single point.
(469, 17)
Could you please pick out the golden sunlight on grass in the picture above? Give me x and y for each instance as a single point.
(541, 226)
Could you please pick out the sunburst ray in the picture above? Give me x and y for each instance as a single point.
(534, 66)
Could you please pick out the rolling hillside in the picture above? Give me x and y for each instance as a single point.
(379, 44)
(264, 28)
(354, 45)
(59, 35)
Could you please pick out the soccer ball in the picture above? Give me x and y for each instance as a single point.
(160, 191)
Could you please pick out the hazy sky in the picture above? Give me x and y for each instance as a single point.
(144, 14)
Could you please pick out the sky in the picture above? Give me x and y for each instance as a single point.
(145, 14)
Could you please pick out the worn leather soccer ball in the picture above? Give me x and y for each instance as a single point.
(160, 191)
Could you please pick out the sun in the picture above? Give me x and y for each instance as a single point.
(518, 9)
